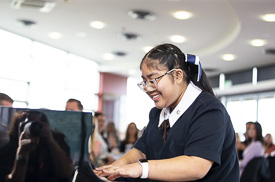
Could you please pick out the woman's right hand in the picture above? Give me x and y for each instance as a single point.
(113, 172)
(26, 145)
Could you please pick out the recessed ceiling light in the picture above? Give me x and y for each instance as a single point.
(147, 48)
(182, 15)
(55, 35)
(177, 39)
(97, 24)
(108, 56)
(228, 57)
(268, 17)
(258, 42)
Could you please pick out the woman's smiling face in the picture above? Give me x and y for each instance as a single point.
(168, 92)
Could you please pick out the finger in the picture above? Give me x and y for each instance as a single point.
(98, 173)
(22, 135)
(111, 170)
(25, 141)
(103, 167)
(114, 176)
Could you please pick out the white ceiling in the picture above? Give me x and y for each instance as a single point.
(217, 27)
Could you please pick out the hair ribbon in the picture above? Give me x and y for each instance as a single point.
(195, 60)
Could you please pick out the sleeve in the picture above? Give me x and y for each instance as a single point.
(141, 142)
(206, 135)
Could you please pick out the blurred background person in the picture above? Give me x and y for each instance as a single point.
(5, 100)
(130, 138)
(268, 144)
(98, 148)
(100, 117)
(113, 140)
(34, 152)
(255, 146)
(241, 146)
(238, 148)
(74, 105)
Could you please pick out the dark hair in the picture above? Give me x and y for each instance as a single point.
(98, 114)
(259, 135)
(127, 133)
(21, 116)
(271, 144)
(5, 97)
(79, 105)
(170, 56)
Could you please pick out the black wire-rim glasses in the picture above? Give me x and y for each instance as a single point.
(152, 84)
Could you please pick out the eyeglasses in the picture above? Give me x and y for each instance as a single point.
(152, 84)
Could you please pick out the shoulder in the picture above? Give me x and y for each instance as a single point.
(207, 98)
(253, 146)
(154, 113)
(257, 144)
(58, 135)
(206, 102)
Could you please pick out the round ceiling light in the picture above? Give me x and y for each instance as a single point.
(228, 57)
(177, 38)
(182, 15)
(268, 17)
(142, 15)
(97, 24)
(108, 56)
(258, 42)
(55, 35)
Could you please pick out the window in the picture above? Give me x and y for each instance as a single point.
(253, 107)
(138, 106)
(36, 75)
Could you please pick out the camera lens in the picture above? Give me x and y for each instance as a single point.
(33, 129)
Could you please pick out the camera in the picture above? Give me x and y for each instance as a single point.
(32, 128)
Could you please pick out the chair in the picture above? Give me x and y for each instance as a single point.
(271, 161)
(256, 170)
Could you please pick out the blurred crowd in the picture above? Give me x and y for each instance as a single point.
(255, 147)
(33, 146)
(106, 144)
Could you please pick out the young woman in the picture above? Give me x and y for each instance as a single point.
(130, 139)
(268, 143)
(255, 147)
(189, 136)
(35, 152)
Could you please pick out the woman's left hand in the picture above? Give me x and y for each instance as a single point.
(113, 172)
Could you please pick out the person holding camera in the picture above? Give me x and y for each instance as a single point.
(34, 152)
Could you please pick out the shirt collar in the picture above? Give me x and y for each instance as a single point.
(190, 95)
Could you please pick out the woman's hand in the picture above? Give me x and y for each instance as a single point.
(113, 172)
(26, 145)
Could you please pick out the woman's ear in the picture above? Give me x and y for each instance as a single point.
(180, 76)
